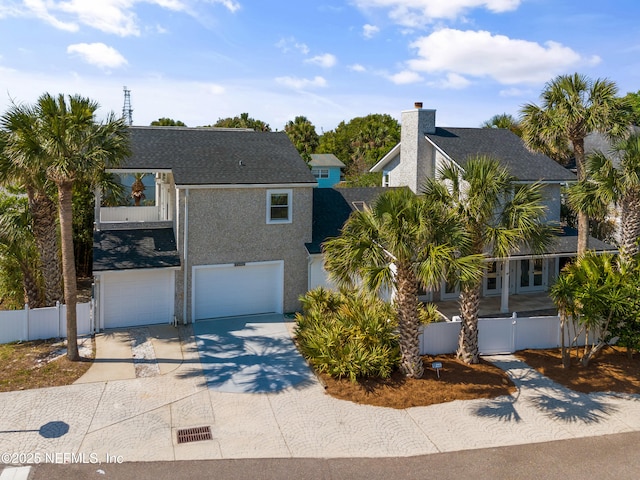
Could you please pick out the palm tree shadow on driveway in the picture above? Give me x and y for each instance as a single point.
(249, 354)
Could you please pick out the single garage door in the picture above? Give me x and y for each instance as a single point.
(140, 297)
(241, 289)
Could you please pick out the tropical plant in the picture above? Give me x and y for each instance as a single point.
(19, 145)
(498, 217)
(347, 334)
(167, 122)
(401, 241)
(572, 107)
(17, 244)
(73, 148)
(504, 120)
(361, 141)
(608, 184)
(243, 121)
(595, 293)
(138, 188)
(303, 135)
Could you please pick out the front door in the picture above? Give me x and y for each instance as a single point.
(532, 275)
(492, 280)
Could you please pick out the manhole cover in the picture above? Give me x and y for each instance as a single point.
(195, 434)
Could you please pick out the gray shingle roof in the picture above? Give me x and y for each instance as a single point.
(128, 249)
(209, 156)
(331, 209)
(462, 143)
(325, 160)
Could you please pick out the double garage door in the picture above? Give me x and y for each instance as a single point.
(137, 297)
(240, 289)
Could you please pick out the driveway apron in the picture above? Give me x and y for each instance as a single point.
(249, 354)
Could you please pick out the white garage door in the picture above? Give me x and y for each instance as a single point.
(230, 290)
(137, 298)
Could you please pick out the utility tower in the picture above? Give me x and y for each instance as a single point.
(127, 111)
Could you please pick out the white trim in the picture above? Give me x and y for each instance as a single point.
(280, 191)
(248, 185)
(386, 159)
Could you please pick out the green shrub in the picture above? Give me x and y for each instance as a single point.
(348, 334)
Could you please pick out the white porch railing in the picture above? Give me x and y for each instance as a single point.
(497, 335)
(129, 214)
(41, 323)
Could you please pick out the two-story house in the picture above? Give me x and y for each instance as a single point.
(226, 234)
(424, 147)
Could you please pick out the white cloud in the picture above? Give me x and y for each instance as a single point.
(369, 31)
(302, 83)
(356, 67)
(290, 43)
(515, 92)
(110, 16)
(481, 54)
(98, 54)
(405, 77)
(417, 13)
(452, 81)
(326, 60)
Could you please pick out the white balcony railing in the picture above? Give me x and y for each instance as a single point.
(129, 214)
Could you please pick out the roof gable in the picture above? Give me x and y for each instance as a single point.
(210, 156)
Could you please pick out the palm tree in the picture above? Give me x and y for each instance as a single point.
(504, 120)
(572, 107)
(74, 148)
(498, 217)
(607, 184)
(17, 242)
(400, 241)
(137, 189)
(303, 135)
(19, 145)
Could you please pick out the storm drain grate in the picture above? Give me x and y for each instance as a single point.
(196, 434)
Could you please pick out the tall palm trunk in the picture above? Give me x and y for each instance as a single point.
(583, 219)
(408, 322)
(630, 225)
(45, 231)
(30, 285)
(65, 210)
(468, 340)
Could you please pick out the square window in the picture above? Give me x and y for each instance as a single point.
(279, 206)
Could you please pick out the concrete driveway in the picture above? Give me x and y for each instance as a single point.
(249, 354)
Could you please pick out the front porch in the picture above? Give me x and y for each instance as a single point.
(528, 304)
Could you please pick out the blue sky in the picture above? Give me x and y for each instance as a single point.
(330, 60)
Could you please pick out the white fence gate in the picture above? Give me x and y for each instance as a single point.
(497, 335)
(41, 323)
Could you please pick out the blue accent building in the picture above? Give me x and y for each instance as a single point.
(326, 168)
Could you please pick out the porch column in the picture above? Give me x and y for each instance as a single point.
(504, 300)
(97, 196)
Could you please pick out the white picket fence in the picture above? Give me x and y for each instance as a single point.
(497, 335)
(40, 323)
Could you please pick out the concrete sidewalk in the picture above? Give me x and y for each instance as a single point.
(137, 418)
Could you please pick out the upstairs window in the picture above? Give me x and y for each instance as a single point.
(279, 206)
(320, 172)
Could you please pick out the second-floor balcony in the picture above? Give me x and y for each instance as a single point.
(133, 214)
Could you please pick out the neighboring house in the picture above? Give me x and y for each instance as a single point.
(326, 168)
(423, 148)
(226, 234)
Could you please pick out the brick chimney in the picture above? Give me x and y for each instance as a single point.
(416, 155)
